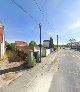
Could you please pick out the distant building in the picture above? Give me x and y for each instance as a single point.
(20, 43)
(46, 43)
(2, 40)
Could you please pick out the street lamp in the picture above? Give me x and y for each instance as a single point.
(40, 40)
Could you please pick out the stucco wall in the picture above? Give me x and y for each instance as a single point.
(47, 52)
(2, 50)
(2, 42)
(44, 52)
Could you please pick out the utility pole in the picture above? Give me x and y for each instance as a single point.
(57, 42)
(40, 41)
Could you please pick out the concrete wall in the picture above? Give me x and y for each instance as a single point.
(2, 44)
(2, 49)
(44, 52)
(47, 52)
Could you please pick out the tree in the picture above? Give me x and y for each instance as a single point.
(72, 41)
(6, 43)
(33, 43)
(51, 45)
(10, 47)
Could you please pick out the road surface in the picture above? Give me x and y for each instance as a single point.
(60, 75)
(67, 78)
(35, 79)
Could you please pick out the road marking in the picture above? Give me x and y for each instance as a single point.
(72, 55)
(78, 56)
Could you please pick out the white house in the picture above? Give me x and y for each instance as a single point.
(2, 40)
(46, 43)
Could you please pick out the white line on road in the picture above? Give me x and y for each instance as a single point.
(73, 55)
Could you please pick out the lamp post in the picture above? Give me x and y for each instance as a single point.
(57, 42)
(40, 40)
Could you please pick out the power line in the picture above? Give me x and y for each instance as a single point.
(42, 12)
(20, 7)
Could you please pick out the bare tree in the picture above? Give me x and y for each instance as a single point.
(72, 41)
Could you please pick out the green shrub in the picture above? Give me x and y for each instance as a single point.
(34, 62)
(21, 54)
(11, 55)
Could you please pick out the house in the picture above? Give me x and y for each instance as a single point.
(49, 44)
(23, 46)
(2, 40)
(20, 45)
(46, 43)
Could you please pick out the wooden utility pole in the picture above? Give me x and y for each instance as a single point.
(57, 42)
(40, 41)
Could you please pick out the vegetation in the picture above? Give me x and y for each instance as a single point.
(33, 43)
(72, 41)
(10, 46)
(34, 62)
(51, 45)
(21, 54)
(6, 43)
(11, 55)
(16, 55)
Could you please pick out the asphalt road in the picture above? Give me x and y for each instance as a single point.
(67, 78)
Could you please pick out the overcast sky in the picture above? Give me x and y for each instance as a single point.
(60, 17)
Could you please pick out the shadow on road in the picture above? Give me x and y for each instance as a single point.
(15, 69)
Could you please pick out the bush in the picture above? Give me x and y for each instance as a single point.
(22, 55)
(17, 56)
(34, 62)
(11, 55)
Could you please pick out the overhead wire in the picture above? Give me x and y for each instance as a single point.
(28, 14)
(42, 13)
(21, 7)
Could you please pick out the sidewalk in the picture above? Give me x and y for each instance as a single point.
(30, 74)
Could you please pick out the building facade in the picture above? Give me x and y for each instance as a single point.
(2, 40)
(46, 43)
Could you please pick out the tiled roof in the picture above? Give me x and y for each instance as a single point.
(20, 43)
(46, 40)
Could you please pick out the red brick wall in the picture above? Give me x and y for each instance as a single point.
(1, 34)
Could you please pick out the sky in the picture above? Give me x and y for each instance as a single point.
(60, 17)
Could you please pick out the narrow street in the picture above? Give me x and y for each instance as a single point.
(36, 79)
(67, 78)
(61, 75)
